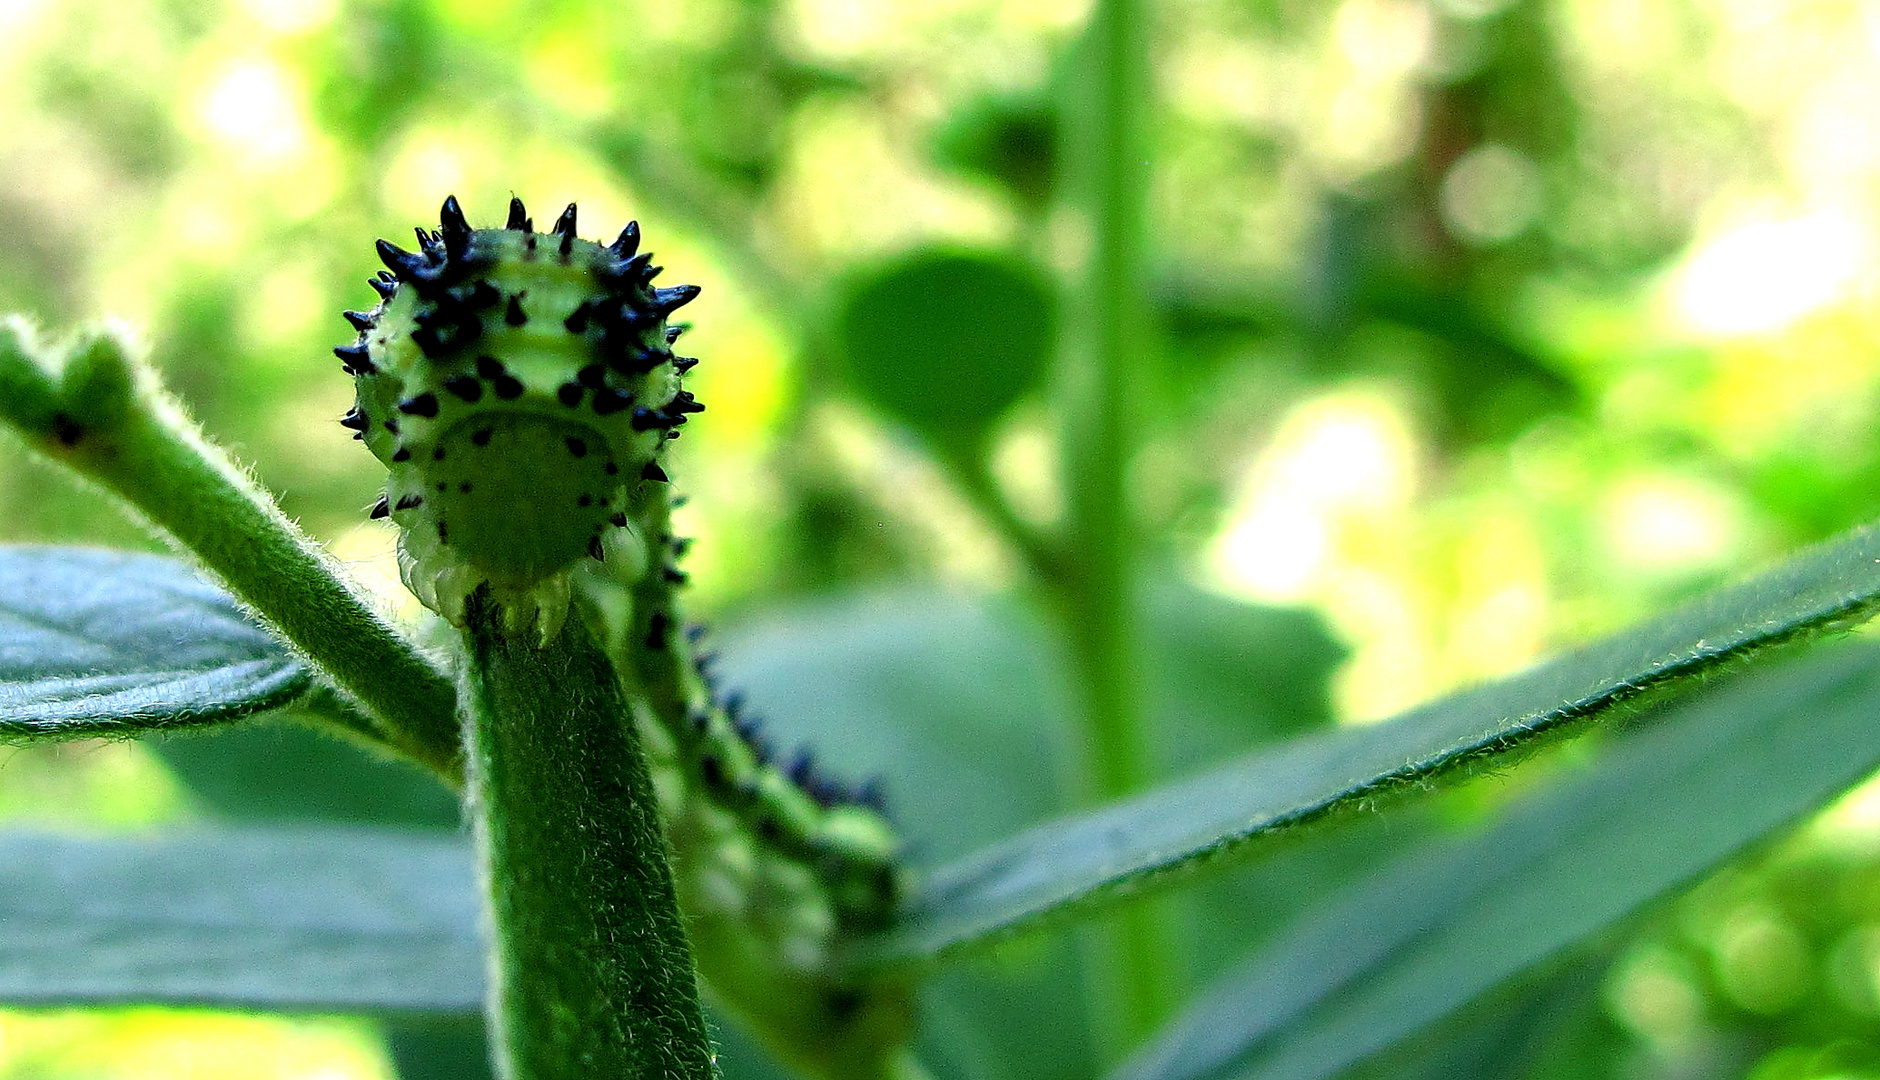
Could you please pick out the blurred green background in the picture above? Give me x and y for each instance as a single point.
(1483, 326)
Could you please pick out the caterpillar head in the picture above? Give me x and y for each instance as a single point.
(514, 384)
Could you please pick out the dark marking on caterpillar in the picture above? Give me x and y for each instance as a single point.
(355, 358)
(467, 387)
(424, 404)
(67, 430)
(577, 320)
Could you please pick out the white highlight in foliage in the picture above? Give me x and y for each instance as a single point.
(253, 105)
(1333, 460)
(1663, 523)
(291, 16)
(1763, 276)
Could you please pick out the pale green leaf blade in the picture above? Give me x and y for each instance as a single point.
(1085, 858)
(318, 919)
(1441, 926)
(96, 642)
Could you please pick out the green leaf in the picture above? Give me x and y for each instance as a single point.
(327, 919)
(1440, 927)
(1512, 1032)
(96, 642)
(1085, 858)
(946, 340)
(279, 770)
(1009, 139)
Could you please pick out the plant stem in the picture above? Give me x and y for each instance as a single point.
(1033, 545)
(592, 973)
(109, 420)
(1107, 172)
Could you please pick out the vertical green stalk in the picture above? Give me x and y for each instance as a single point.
(592, 974)
(1106, 155)
(107, 418)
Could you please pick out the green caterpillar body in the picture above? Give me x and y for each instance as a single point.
(519, 388)
(514, 384)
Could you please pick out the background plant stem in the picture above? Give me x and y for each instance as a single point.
(592, 974)
(121, 430)
(1106, 150)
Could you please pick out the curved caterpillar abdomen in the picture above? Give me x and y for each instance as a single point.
(514, 383)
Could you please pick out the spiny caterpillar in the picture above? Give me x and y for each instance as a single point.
(520, 387)
(513, 384)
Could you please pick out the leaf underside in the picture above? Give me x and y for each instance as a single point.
(318, 919)
(1085, 858)
(1440, 926)
(114, 643)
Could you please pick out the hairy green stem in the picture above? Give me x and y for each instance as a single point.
(1107, 173)
(107, 418)
(592, 974)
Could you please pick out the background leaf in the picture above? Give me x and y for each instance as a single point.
(1443, 925)
(1081, 858)
(327, 919)
(96, 642)
(945, 340)
(277, 770)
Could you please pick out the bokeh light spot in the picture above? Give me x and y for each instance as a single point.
(1332, 460)
(291, 16)
(1491, 194)
(1765, 275)
(1762, 961)
(252, 106)
(1657, 523)
(1654, 993)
